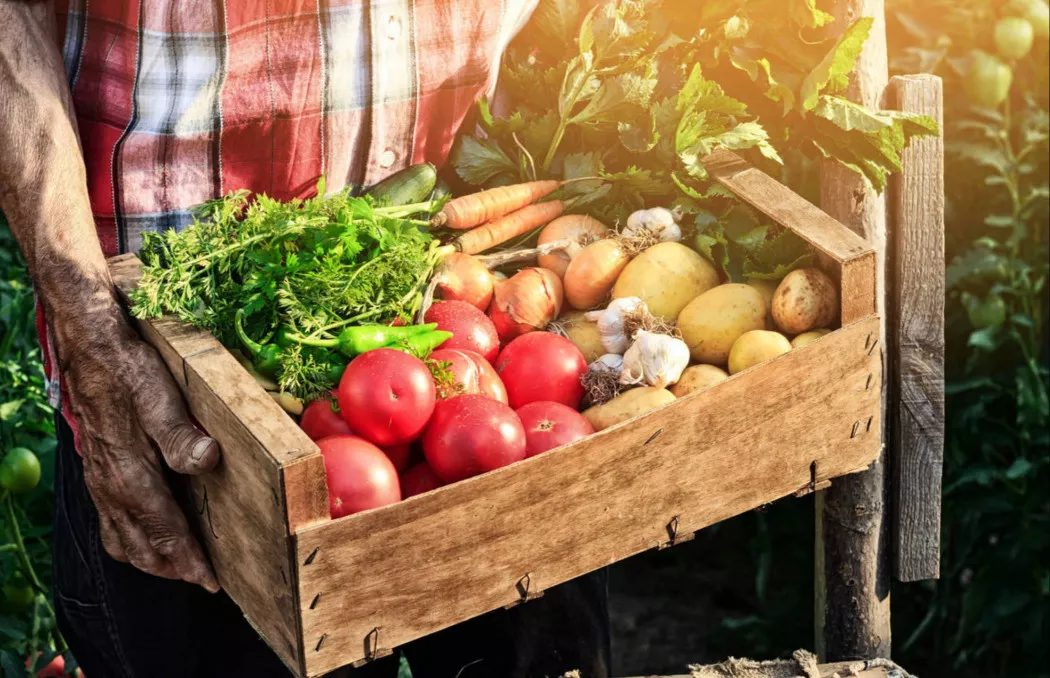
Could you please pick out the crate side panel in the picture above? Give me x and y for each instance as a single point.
(240, 505)
(382, 578)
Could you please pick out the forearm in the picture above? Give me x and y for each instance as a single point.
(43, 189)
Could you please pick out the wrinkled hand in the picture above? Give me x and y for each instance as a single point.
(132, 419)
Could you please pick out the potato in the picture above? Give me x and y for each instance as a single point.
(583, 333)
(712, 322)
(667, 276)
(626, 405)
(766, 288)
(288, 402)
(808, 337)
(697, 378)
(754, 347)
(805, 299)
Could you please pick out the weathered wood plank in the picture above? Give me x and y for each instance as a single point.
(246, 508)
(839, 669)
(915, 335)
(852, 548)
(786, 425)
(844, 255)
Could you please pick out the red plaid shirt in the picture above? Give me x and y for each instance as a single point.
(181, 101)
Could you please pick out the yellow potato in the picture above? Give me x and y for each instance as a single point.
(805, 299)
(584, 334)
(697, 378)
(712, 322)
(808, 337)
(766, 288)
(626, 405)
(667, 276)
(754, 347)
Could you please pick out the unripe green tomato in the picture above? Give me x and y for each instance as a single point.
(18, 592)
(987, 312)
(988, 82)
(1038, 15)
(1014, 37)
(19, 471)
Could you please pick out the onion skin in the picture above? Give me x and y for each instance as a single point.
(569, 227)
(526, 302)
(591, 275)
(464, 278)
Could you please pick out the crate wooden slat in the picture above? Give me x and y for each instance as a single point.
(270, 482)
(327, 593)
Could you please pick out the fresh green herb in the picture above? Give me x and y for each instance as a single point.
(247, 270)
(638, 92)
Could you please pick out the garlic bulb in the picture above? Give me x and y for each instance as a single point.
(654, 360)
(610, 362)
(610, 322)
(656, 220)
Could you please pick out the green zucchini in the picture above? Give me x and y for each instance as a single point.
(410, 185)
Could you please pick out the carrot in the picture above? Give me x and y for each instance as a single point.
(471, 210)
(510, 226)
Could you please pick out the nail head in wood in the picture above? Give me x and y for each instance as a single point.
(310, 558)
(654, 436)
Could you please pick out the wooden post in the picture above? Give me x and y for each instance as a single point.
(852, 545)
(915, 335)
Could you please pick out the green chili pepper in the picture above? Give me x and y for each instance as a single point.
(265, 357)
(285, 336)
(422, 345)
(356, 340)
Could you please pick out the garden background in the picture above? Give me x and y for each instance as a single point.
(744, 587)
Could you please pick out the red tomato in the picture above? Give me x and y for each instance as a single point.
(549, 425)
(473, 374)
(55, 669)
(419, 479)
(471, 434)
(471, 329)
(542, 366)
(322, 419)
(359, 475)
(387, 396)
(398, 455)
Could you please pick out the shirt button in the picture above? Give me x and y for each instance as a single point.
(387, 158)
(393, 28)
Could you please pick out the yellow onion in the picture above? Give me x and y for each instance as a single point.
(526, 302)
(578, 228)
(591, 274)
(463, 277)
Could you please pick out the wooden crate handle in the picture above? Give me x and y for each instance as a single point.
(851, 256)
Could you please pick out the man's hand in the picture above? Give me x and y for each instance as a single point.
(129, 412)
(131, 418)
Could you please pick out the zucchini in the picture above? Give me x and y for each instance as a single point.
(410, 185)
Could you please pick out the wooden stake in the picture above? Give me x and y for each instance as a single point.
(852, 544)
(915, 336)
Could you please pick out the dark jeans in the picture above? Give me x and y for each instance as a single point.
(122, 623)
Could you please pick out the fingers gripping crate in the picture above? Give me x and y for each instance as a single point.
(327, 593)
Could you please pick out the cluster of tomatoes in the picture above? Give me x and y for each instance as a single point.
(398, 426)
(990, 76)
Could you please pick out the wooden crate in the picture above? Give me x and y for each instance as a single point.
(327, 593)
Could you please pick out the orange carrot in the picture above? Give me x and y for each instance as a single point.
(508, 227)
(471, 210)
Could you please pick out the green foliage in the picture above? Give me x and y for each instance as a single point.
(648, 88)
(25, 524)
(313, 266)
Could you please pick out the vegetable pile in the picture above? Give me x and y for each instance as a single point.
(436, 339)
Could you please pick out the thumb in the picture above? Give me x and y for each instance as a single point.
(184, 447)
(186, 450)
